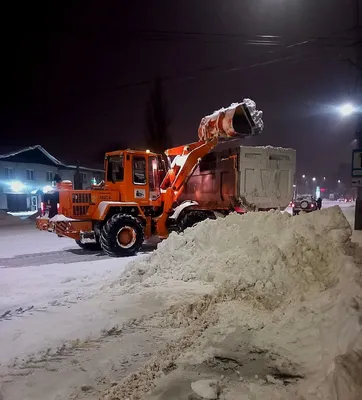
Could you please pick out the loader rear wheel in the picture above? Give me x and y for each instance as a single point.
(121, 236)
(192, 218)
(89, 246)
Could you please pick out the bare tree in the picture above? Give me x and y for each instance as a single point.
(98, 156)
(157, 120)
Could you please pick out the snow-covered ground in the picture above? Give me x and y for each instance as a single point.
(57, 300)
(68, 330)
(22, 214)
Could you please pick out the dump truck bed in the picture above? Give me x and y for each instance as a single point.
(250, 177)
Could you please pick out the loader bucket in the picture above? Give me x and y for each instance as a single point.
(237, 120)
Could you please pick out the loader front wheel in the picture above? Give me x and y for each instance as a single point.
(192, 218)
(122, 236)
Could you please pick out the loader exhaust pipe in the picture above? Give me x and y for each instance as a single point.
(238, 120)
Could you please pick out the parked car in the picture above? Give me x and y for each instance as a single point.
(306, 203)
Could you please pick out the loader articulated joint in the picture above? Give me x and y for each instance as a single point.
(87, 237)
(186, 149)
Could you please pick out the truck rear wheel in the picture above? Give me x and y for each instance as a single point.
(121, 236)
(192, 218)
(89, 246)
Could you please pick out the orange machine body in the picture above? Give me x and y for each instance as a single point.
(140, 186)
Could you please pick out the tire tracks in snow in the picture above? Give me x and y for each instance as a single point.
(56, 257)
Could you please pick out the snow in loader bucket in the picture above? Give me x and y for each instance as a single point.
(237, 120)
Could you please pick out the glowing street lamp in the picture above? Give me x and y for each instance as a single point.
(303, 176)
(347, 109)
(339, 181)
(313, 179)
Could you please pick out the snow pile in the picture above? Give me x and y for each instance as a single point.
(272, 253)
(207, 389)
(61, 218)
(284, 320)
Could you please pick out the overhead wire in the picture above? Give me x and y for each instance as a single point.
(192, 75)
(221, 69)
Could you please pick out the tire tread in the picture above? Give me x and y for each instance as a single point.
(107, 238)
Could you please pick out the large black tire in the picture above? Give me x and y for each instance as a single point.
(192, 218)
(89, 246)
(122, 236)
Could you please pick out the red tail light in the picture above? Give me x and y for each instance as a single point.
(239, 210)
(312, 205)
(293, 205)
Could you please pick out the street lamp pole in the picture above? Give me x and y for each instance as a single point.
(358, 212)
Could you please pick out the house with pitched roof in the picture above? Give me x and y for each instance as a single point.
(27, 173)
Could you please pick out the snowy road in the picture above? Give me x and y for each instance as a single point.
(66, 256)
(57, 302)
(40, 278)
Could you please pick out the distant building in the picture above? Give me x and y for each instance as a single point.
(27, 173)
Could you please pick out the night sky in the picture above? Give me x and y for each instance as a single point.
(77, 77)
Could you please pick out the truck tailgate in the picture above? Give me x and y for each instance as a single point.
(266, 176)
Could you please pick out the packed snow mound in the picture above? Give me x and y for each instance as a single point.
(284, 320)
(270, 252)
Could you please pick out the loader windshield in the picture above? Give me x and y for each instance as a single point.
(115, 171)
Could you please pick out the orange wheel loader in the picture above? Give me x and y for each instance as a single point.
(141, 190)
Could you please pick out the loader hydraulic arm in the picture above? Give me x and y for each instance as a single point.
(238, 120)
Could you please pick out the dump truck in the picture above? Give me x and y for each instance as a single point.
(238, 178)
(145, 194)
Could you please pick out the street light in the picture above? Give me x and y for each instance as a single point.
(303, 176)
(347, 109)
(313, 179)
(339, 181)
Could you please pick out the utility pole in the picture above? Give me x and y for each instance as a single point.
(357, 13)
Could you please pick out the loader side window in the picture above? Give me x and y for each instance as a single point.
(154, 178)
(139, 170)
(115, 172)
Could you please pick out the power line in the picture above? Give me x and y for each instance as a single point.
(193, 75)
(221, 69)
(169, 35)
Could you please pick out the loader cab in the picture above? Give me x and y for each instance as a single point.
(136, 175)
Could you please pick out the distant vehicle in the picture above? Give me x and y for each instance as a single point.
(345, 200)
(306, 203)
